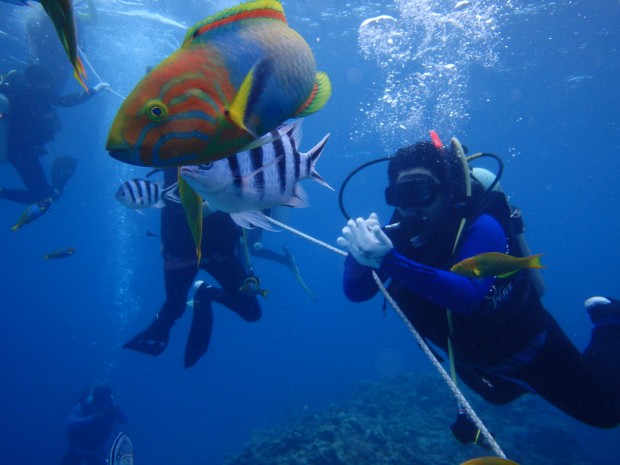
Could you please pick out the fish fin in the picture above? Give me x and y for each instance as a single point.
(266, 139)
(505, 275)
(533, 261)
(159, 204)
(314, 153)
(249, 92)
(293, 131)
(192, 204)
(261, 9)
(139, 212)
(252, 218)
(320, 94)
(299, 199)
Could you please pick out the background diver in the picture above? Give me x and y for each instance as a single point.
(222, 259)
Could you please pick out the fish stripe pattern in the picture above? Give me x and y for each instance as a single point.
(281, 157)
(234, 16)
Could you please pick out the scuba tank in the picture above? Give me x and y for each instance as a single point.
(515, 224)
(4, 128)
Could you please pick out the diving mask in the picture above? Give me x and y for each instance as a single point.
(413, 191)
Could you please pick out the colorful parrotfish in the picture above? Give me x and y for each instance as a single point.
(238, 75)
(61, 14)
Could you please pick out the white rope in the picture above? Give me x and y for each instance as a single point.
(456, 392)
(109, 89)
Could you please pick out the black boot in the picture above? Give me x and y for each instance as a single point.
(202, 324)
(154, 339)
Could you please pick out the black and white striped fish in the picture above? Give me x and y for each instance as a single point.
(264, 177)
(141, 193)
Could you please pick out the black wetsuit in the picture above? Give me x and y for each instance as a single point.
(89, 429)
(505, 342)
(33, 122)
(220, 258)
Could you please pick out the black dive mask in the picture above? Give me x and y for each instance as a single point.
(413, 191)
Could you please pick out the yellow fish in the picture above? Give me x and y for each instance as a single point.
(495, 264)
(489, 461)
(238, 75)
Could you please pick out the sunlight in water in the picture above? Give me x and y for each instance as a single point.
(425, 56)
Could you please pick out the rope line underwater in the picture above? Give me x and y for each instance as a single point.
(456, 392)
(109, 89)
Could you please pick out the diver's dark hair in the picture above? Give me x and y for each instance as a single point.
(443, 163)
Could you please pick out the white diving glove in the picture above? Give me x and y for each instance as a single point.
(101, 86)
(365, 241)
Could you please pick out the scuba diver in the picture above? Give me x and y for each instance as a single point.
(90, 426)
(220, 258)
(501, 340)
(30, 122)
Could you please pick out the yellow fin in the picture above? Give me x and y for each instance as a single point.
(192, 204)
(251, 87)
(319, 96)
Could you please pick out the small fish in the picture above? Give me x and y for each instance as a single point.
(121, 452)
(489, 461)
(60, 253)
(61, 14)
(138, 194)
(258, 179)
(32, 212)
(238, 75)
(495, 264)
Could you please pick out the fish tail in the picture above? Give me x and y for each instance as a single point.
(320, 94)
(533, 261)
(313, 155)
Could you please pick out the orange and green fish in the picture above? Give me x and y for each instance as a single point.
(32, 212)
(495, 264)
(489, 461)
(237, 76)
(60, 253)
(61, 14)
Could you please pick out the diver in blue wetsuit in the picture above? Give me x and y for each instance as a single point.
(91, 424)
(504, 342)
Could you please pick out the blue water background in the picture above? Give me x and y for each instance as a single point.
(549, 107)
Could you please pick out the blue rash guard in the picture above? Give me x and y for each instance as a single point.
(441, 287)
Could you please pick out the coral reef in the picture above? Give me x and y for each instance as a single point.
(405, 421)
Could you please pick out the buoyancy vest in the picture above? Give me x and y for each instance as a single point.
(509, 317)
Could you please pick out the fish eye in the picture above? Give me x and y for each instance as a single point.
(206, 166)
(156, 111)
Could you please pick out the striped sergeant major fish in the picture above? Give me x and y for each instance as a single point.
(138, 194)
(121, 452)
(264, 177)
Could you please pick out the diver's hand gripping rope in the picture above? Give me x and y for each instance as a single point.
(429, 354)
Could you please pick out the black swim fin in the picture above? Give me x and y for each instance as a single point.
(153, 340)
(63, 169)
(202, 324)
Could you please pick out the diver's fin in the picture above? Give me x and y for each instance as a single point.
(153, 340)
(63, 169)
(261, 9)
(319, 96)
(200, 331)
